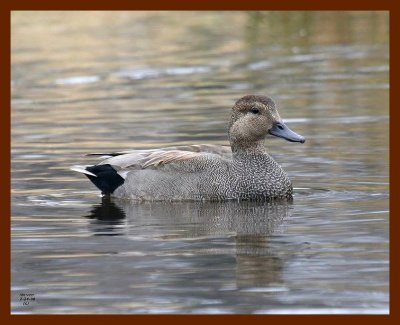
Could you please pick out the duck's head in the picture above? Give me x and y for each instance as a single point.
(253, 117)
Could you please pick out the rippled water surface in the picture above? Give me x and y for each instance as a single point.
(99, 81)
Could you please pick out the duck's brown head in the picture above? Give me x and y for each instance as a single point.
(253, 117)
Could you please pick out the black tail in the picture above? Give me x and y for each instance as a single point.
(107, 179)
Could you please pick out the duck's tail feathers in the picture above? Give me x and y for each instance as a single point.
(105, 177)
(82, 169)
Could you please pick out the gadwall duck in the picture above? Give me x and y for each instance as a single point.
(243, 171)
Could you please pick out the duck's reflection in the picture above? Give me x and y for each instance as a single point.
(249, 224)
(256, 264)
(107, 218)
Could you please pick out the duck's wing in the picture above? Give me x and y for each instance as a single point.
(155, 159)
(121, 163)
(112, 172)
(223, 151)
(149, 159)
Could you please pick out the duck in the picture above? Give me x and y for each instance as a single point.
(203, 172)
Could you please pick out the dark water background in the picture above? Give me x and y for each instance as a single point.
(99, 81)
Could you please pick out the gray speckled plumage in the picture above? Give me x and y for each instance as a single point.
(206, 172)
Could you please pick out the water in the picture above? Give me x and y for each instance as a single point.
(99, 81)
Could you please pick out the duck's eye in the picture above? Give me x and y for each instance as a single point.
(255, 111)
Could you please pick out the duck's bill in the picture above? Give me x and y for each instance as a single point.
(280, 130)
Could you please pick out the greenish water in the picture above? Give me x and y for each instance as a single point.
(99, 81)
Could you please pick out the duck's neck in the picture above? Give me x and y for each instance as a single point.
(245, 148)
